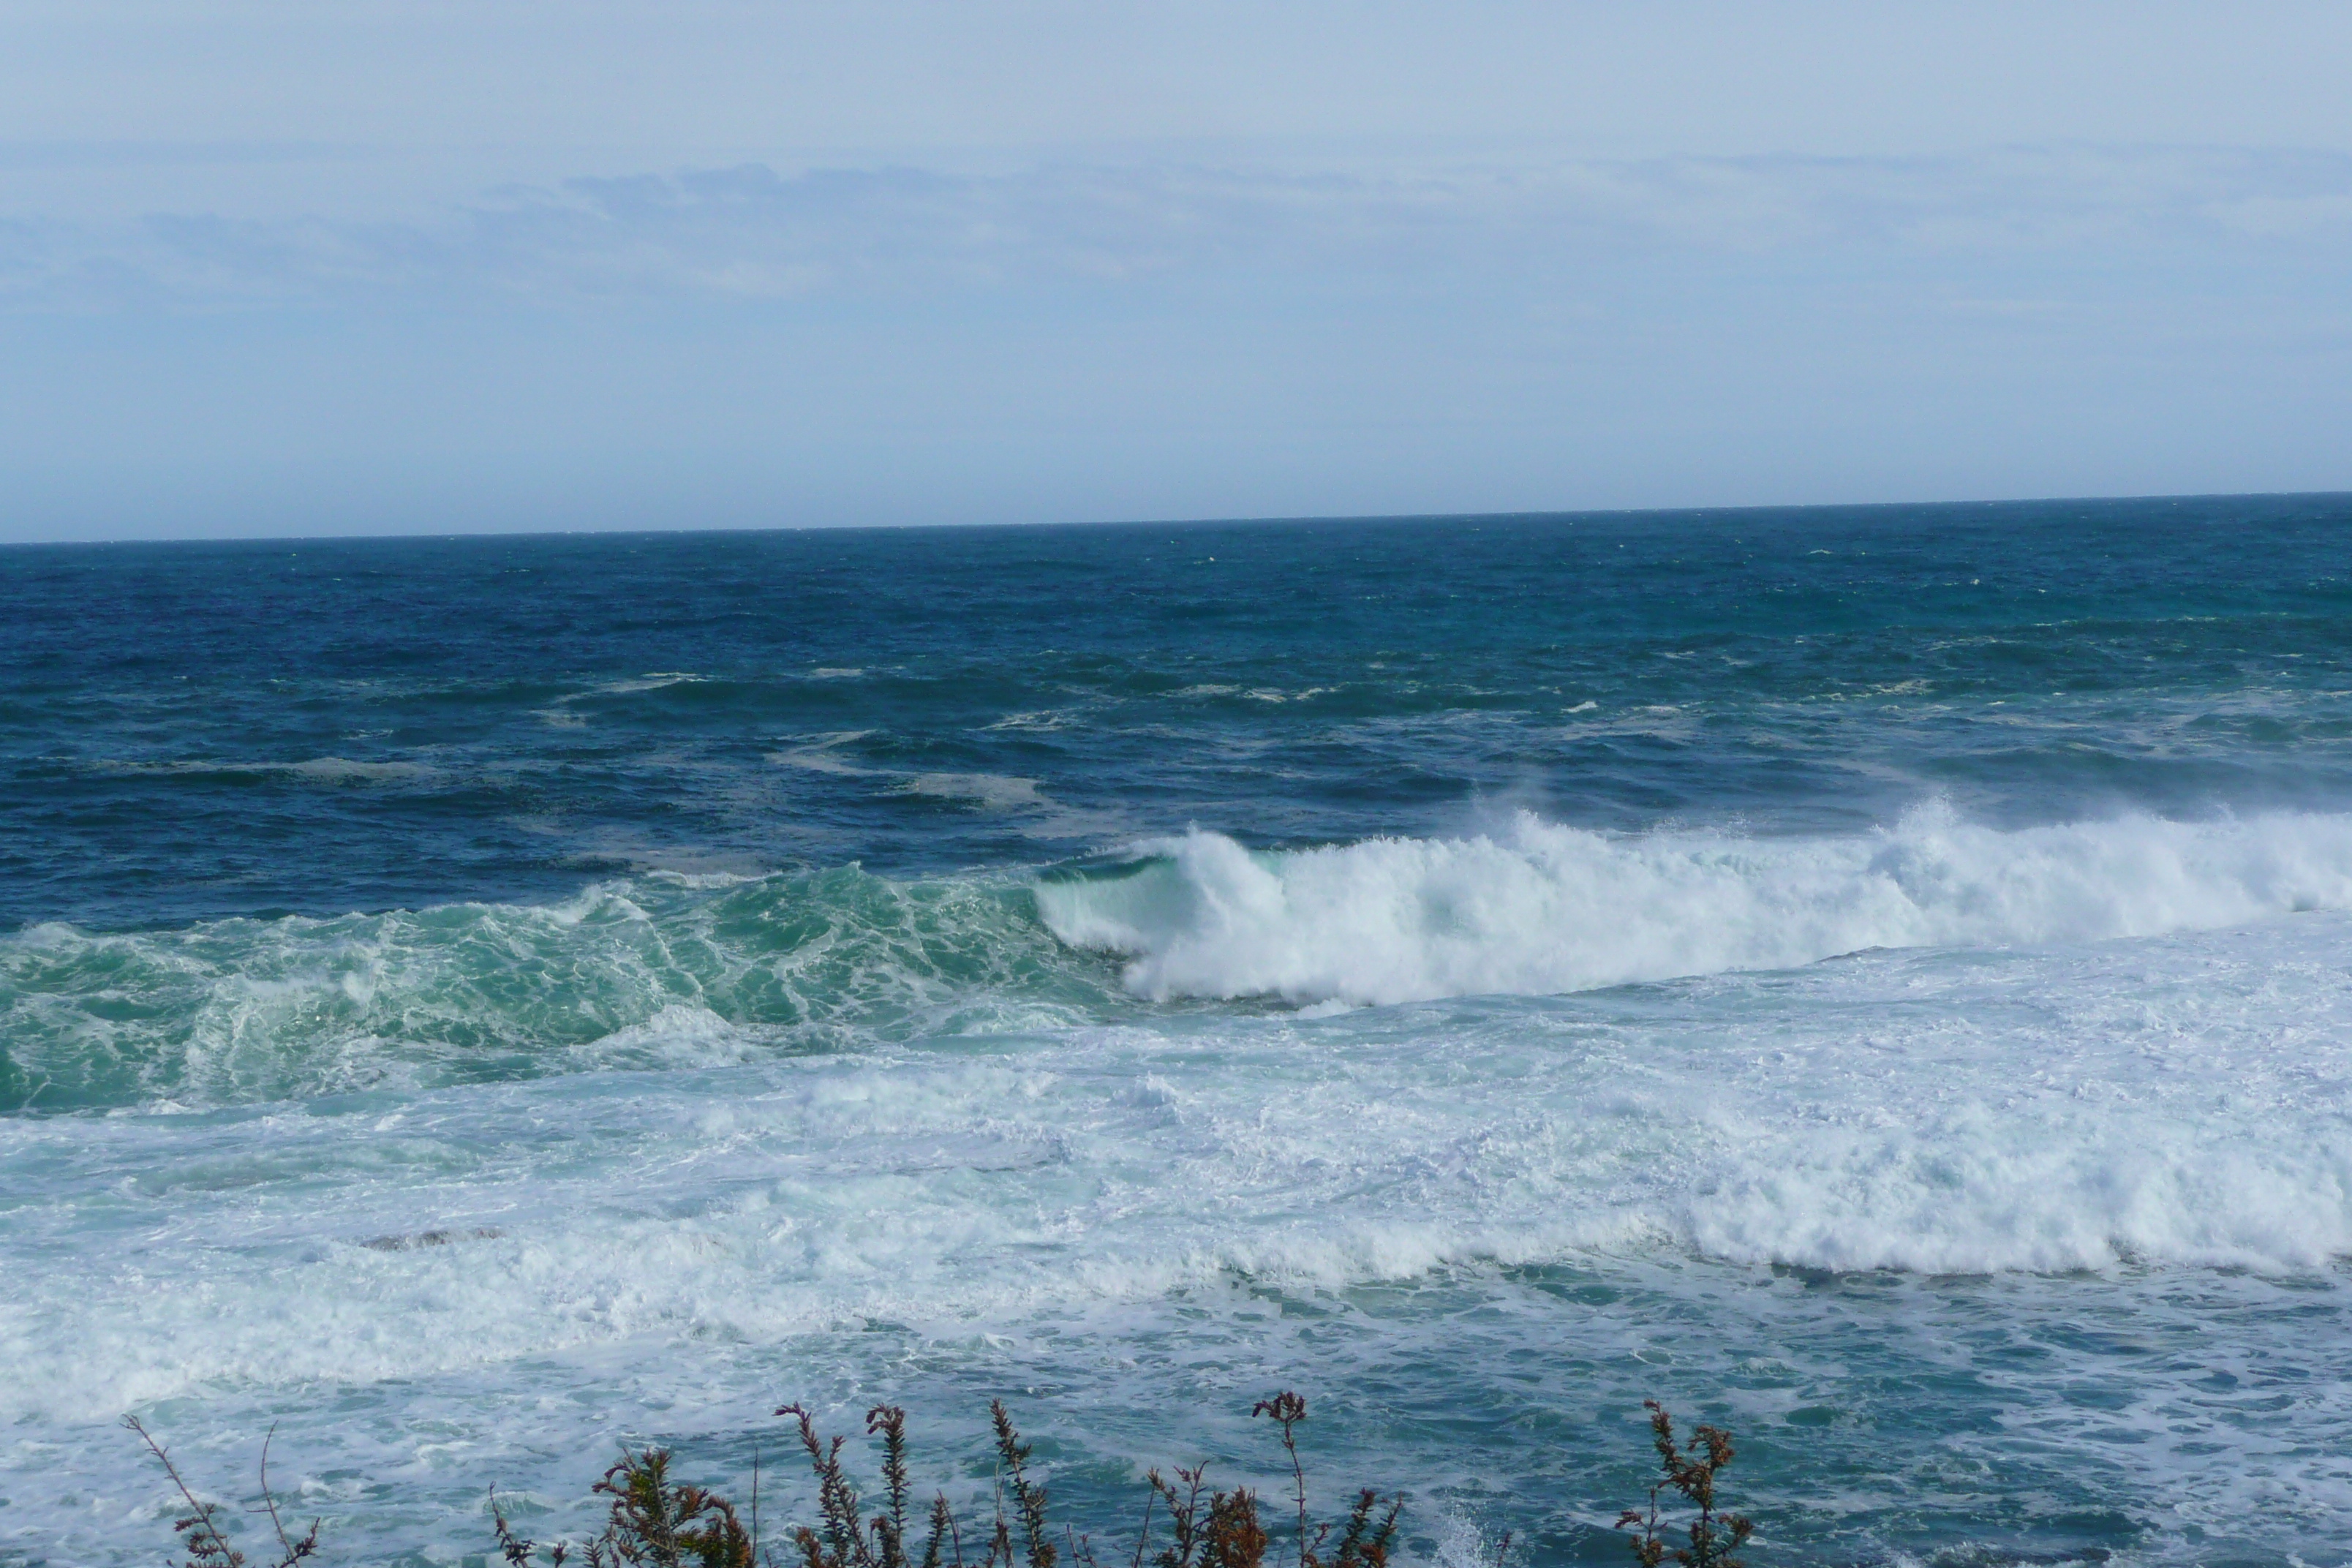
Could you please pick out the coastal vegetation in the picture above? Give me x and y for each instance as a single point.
(654, 1520)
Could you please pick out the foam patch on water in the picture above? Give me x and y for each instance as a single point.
(2076, 1118)
(1540, 908)
(2170, 1104)
(989, 792)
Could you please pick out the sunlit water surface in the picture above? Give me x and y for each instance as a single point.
(1874, 979)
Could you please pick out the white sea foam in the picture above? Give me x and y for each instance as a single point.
(2161, 1104)
(1539, 909)
(989, 792)
(2178, 1102)
(819, 755)
(730, 1119)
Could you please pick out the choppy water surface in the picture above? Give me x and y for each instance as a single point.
(1874, 978)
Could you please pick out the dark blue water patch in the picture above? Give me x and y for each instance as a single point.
(194, 731)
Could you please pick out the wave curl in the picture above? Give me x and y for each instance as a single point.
(1538, 909)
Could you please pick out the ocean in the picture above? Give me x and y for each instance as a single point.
(1872, 978)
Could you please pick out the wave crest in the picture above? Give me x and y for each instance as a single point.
(1537, 908)
(652, 971)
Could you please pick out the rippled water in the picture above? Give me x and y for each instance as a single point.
(1874, 978)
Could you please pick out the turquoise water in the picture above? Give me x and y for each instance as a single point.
(1874, 978)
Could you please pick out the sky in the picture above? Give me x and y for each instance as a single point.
(351, 267)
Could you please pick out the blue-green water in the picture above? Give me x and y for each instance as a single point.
(1876, 978)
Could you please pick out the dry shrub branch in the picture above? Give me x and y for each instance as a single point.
(654, 1521)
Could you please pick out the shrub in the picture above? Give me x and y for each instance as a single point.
(667, 1524)
(654, 1521)
(199, 1528)
(1713, 1537)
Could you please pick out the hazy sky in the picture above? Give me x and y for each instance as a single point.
(360, 267)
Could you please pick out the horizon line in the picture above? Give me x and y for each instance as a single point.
(1297, 520)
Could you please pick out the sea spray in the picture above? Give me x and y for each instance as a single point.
(1540, 908)
(671, 971)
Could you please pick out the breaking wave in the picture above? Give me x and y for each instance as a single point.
(661, 970)
(669, 971)
(1538, 909)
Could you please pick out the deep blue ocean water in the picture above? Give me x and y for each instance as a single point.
(1876, 978)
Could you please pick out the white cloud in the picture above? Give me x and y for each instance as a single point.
(267, 265)
(491, 85)
(749, 233)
